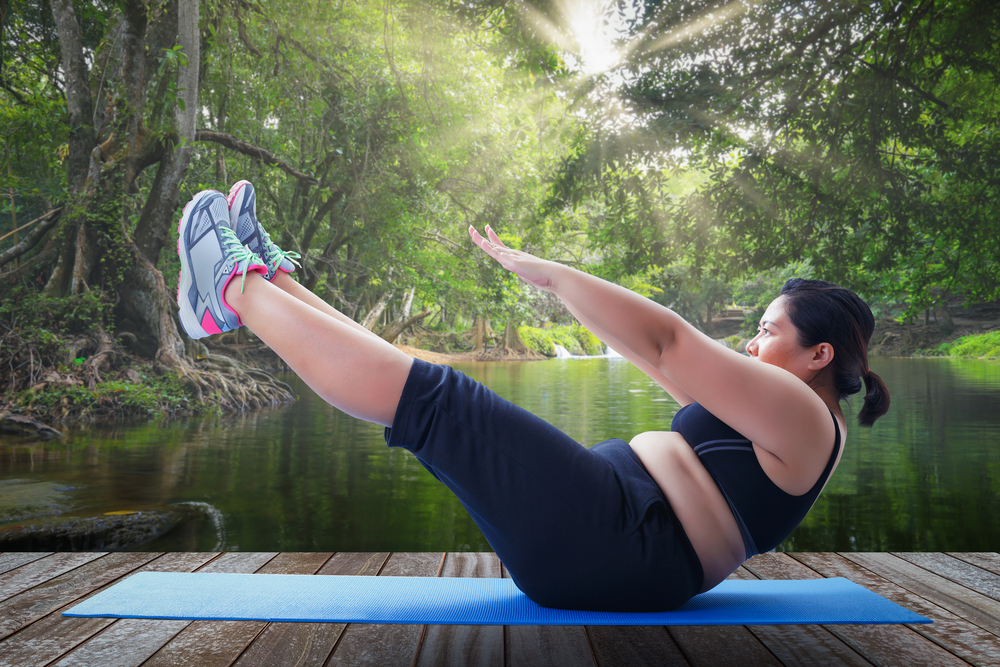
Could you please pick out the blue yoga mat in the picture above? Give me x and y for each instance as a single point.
(462, 601)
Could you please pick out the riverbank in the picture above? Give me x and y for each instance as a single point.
(138, 389)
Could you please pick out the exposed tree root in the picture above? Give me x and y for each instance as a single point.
(232, 384)
(90, 377)
(502, 353)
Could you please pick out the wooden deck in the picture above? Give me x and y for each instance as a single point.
(959, 591)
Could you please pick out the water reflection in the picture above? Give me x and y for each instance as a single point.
(305, 477)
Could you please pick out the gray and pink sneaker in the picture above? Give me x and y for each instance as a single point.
(211, 256)
(243, 218)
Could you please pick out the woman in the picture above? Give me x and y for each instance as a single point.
(631, 526)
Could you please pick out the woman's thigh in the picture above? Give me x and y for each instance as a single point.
(570, 524)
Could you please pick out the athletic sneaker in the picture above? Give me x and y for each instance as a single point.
(243, 219)
(210, 256)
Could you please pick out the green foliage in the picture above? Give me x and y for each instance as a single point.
(414, 125)
(855, 141)
(733, 340)
(860, 136)
(763, 288)
(575, 338)
(36, 315)
(152, 396)
(976, 345)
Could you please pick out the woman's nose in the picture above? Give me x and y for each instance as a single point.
(752, 347)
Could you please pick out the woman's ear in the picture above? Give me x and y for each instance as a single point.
(822, 356)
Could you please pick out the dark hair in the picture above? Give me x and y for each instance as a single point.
(826, 313)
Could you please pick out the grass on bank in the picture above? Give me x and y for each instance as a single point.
(150, 396)
(574, 337)
(45, 344)
(977, 345)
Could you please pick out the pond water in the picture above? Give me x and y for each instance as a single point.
(305, 477)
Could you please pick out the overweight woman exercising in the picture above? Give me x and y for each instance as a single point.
(642, 525)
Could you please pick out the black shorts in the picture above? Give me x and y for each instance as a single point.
(576, 528)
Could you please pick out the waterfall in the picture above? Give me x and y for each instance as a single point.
(563, 353)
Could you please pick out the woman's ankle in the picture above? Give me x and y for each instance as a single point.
(237, 293)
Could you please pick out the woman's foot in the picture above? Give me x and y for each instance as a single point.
(211, 255)
(243, 219)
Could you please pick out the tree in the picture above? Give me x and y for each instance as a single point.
(858, 135)
(129, 76)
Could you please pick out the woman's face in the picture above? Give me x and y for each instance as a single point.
(777, 343)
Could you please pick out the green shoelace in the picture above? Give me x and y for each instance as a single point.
(235, 250)
(275, 254)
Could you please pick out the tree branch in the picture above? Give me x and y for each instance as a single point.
(241, 30)
(240, 146)
(32, 239)
(29, 224)
(906, 83)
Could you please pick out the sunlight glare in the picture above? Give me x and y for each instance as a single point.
(586, 31)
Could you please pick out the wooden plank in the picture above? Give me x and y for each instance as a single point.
(31, 605)
(129, 642)
(799, 644)
(50, 638)
(220, 643)
(722, 645)
(238, 562)
(9, 561)
(548, 645)
(955, 634)
(382, 644)
(308, 644)
(41, 570)
(125, 643)
(986, 560)
(959, 600)
(959, 571)
(635, 646)
(471, 645)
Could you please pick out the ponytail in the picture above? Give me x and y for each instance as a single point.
(876, 399)
(824, 312)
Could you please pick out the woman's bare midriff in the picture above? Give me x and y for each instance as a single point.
(696, 500)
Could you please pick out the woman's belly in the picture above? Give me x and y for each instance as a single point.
(695, 499)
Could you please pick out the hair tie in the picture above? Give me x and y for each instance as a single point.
(867, 372)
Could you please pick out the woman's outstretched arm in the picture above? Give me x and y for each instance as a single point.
(768, 404)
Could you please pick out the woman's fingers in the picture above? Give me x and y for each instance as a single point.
(478, 239)
(529, 268)
(494, 239)
(489, 245)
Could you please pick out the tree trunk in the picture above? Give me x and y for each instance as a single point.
(162, 203)
(376, 312)
(513, 347)
(512, 342)
(322, 267)
(403, 319)
(479, 328)
(941, 311)
(78, 100)
(399, 325)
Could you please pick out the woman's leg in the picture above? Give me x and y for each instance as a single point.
(347, 365)
(289, 285)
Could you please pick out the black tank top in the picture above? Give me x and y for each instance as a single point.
(765, 514)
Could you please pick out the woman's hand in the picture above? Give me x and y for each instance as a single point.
(530, 269)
